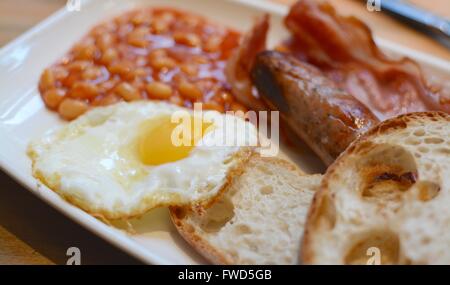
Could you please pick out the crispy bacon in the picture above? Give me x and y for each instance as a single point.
(241, 61)
(344, 50)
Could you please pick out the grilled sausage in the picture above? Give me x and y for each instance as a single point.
(327, 118)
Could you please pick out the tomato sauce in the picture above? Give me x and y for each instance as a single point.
(151, 53)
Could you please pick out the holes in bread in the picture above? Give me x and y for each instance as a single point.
(265, 170)
(386, 173)
(243, 229)
(419, 133)
(426, 190)
(444, 150)
(434, 140)
(266, 190)
(380, 244)
(387, 182)
(423, 149)
(218, 215)
(413, 141)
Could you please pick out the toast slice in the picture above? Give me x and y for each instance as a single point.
(258, 220)
(386, 199)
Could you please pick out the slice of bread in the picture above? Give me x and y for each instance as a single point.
(258, 220)
(386, 199)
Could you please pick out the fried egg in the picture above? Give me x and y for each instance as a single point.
(123, 160)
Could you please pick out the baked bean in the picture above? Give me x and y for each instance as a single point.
(47, 80)
(85, 52)
(162, 62)
(213, 106)
(167, 17)
(238, 107)
(60, 73)
(105, 41)
(190, 91)
(212, 44)
(141, 19)
(109, 55)
(53, 97)
(226, 97)
(70, 80)
(84, 90)
(191, 22)
(138, 42)
(188, 39)
(120, 21)
(158, 53)
(91, 73)
(69, 109)
(137, 37)
(141, 72)
(127, 92)
(107, 100)
(161, 24)
(216, 98)
(159, 27)
(78, 65)
(189, 69)
(123, 69)
(158, 90)
(200, 59)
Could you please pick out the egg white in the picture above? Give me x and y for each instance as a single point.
(92, 161)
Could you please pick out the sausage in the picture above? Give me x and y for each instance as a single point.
(326, 117)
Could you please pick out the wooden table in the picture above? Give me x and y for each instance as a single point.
(33, 233)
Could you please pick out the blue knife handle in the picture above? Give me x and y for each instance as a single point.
(416, 14)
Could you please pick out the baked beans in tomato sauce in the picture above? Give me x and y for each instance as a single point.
(151, 53)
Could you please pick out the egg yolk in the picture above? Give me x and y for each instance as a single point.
(156, 145)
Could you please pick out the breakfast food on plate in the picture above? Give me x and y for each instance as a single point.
(323, 115)
(258, 220)
(120, 161)
(387, 187)
(150, 53)
(343, 50)
(389, 191)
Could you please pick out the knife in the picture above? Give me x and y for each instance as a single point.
(421, 17)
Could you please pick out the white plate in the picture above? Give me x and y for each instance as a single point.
(23, 115)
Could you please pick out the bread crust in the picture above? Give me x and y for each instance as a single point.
(201, 245)
(358, 147)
